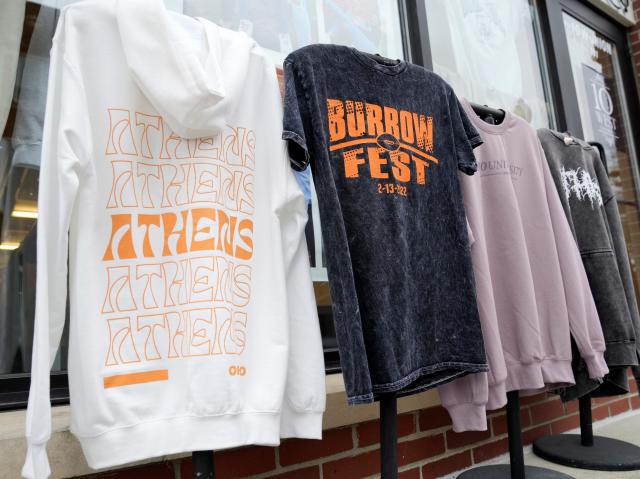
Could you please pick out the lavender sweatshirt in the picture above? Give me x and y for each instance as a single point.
(532, 290)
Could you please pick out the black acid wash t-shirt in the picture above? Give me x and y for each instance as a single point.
(386, 140)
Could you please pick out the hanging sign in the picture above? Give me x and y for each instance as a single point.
(601, 111)
(619, 10)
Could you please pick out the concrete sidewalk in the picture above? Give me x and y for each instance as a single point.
(625, 427)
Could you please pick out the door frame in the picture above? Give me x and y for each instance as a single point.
(562, 82)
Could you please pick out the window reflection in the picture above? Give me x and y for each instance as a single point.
(282, 26)
(26, 32)
(488, 51)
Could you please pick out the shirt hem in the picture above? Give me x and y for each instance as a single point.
(537, 376)
(458, 369)
(179, 435)
(620, 353)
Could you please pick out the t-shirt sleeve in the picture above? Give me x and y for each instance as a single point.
(465, 136)
(294, 115)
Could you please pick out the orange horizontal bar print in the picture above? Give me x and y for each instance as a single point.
(119, 380)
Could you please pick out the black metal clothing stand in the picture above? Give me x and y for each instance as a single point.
(389, 436)
(202, 462)
(516, 468)
(493, 116)
(585, 451)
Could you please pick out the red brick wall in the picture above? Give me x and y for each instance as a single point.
(634, 39)
(427, 447)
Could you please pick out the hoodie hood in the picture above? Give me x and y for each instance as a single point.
(175, 61)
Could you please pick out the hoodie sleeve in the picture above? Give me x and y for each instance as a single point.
(620, 250)
(467, 398)
(304, 400)
(583, 317)
(64, 137)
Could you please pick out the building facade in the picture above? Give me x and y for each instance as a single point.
(569, 65)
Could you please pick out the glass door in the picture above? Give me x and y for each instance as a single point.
(598, 106)
(601, 101)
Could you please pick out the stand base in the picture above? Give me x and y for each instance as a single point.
(503, 471)
(606, 454)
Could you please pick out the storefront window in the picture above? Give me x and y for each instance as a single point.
(488, 50)
(282, 26)
(604, 118)
(26, 32)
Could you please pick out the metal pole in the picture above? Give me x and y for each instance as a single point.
(516, 454)
(388, 436)
(202, 462)
(586, 421)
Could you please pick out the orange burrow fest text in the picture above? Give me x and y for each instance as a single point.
(401, 142)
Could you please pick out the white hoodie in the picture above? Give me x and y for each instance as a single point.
(193, 320)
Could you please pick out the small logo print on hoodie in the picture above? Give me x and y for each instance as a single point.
(579, 183)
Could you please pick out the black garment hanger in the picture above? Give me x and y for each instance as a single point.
(493, 116)
(603, 156)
